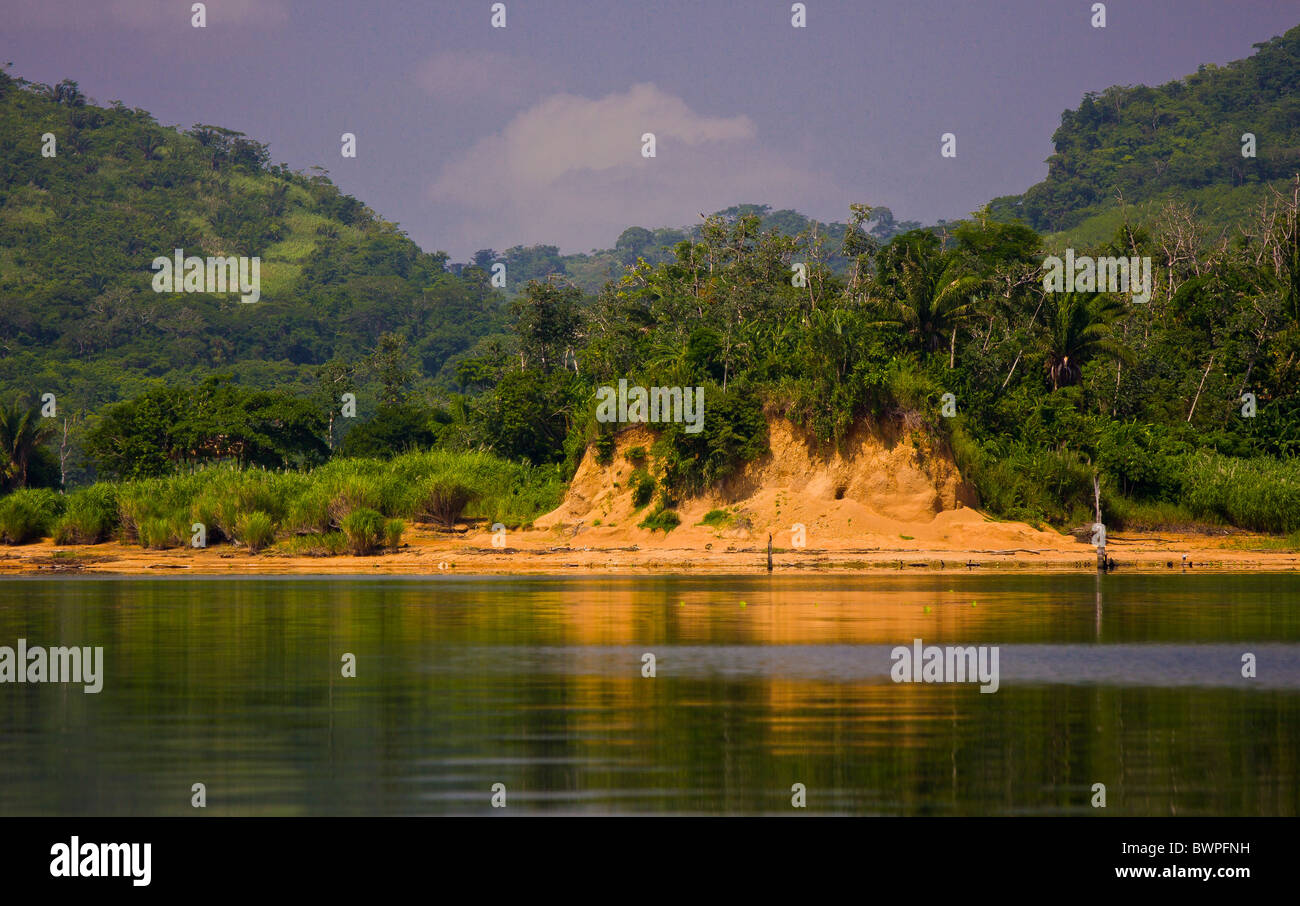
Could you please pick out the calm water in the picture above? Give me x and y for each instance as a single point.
(536, 683)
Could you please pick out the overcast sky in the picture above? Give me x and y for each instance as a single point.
(475, 137)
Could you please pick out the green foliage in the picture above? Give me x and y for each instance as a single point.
(90, 518)
(22, 431)
(327, 544)
(1140, 143)
(660, 519)
(394, 429)
(734, 433)
(156, 533)
(254, 530)
(716, 518)
(177, 426)
(393, 529)
(1259, 494)
(443, 499)
(253, 506)
(1079, 328)
(526, 416)
(364, 529)
(1035, 486)
(27, 514)
(78, 315)
(643, 488)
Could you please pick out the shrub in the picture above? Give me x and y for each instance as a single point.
(91, 516)
(393, 529)
(255, 530)
(1033, 485)
(27, 514)
(157, 533)
(661, 519)
(310, 512)
(354, 492)
(643, 488)
(443, 500)
(1259, 493)
(715, 518)
(207, 511)
(364, 529)
(328, 544)
(604, 449)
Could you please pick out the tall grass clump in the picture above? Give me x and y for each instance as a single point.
(453, 486)
(155, 512)
(1028, 484)
(353, 484)
(309, 514)
(255, 531)
(1259, 493)
(443, 499)
(326, 544)
(28, 514)
(393, 529)
(90, 516)
(364, 529)
(160, 533)
(255, 506)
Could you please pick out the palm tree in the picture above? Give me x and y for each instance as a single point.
(1080, 327)
(933, 293)
(21, 432)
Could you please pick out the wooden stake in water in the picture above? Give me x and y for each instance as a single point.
(769, 551)
(1101, 546)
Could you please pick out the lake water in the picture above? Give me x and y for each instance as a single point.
(761, 683)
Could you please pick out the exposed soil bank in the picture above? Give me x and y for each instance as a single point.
(888, 499)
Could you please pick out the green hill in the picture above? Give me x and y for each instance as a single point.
(1141, 147)
(79, 230)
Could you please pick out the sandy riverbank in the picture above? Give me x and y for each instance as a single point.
(971, 544)
(888, 499)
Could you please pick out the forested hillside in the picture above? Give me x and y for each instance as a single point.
(1141, 146)
(78, 230)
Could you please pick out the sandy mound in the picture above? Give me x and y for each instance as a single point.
(885, 488)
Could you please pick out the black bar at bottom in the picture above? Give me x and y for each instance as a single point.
(619, 857)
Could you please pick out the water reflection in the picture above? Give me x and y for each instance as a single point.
(761, 683)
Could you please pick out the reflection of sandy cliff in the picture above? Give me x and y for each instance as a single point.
(781, 612)
(802, 617)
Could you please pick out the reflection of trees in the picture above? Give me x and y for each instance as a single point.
(236, 683)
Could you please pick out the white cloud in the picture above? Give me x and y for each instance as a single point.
(568, 171)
